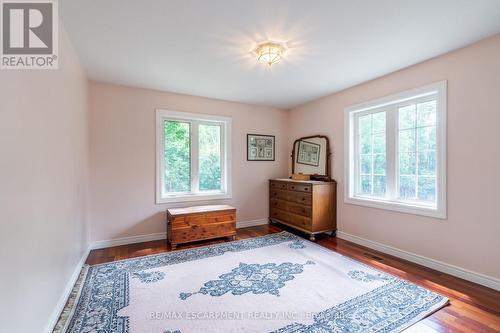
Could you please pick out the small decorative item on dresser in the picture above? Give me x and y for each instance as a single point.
(199, 223)
(300, 176)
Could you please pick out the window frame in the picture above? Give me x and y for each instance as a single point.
(390, 104)
(195, 119)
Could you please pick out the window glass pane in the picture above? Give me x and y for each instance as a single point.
(407, 140)
(372, 154)
(378, 122)
(427, 188)
(177, 156)
(365, 125)
(407, 163)
(407, 116)
(417, 150)
(366, 164)
(426, 138)
(407, 186)
(379, 185)
(426, 113)
(379, 143)
(366, 185)
(210, 157)
(379, 164)
(365, 144)
(427, 163)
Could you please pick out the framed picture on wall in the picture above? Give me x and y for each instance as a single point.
(260, 147)
(308, 153)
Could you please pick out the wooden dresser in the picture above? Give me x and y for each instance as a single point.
(309, 206)
(200, 222)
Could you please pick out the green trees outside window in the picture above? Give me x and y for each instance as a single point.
(210, 157)
(177, 156)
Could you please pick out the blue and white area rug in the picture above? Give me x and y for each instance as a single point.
(275, 283)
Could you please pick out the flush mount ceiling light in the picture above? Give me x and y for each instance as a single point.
(269, 52)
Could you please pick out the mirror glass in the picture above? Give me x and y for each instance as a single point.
(310, 156)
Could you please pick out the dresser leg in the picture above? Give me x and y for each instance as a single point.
(233, 237)
(173, 246)
(312, 238)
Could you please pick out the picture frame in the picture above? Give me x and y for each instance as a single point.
(260, 147)
(308, 153)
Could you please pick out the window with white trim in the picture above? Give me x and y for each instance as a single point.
(396, 152)
(192, 157)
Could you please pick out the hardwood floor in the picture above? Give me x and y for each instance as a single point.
(472, 308)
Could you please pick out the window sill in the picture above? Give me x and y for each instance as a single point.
(192, 197)
(397, 206)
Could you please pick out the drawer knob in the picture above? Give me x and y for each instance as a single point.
(303, 199)
(306, 188)
(303, 210)
(293, 187)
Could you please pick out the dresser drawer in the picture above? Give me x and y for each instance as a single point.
(300, 187)
(278, 185)
(300, 221)
(275, 203)
(303, 198)
(299, 209)
(279, 215)
(279, 194)
(296, 220)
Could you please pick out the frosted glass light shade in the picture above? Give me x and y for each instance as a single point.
(269, 53)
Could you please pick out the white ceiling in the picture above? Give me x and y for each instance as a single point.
(202, 47)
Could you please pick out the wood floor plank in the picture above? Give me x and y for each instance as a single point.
(472, 308)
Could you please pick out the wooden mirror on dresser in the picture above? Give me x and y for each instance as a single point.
(311, 157)
(307, 200)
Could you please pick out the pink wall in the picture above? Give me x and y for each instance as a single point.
(43, 188)
(469, 237)
(122, 133)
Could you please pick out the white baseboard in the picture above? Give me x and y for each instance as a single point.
(127, 240)
(462, 273)
(251, 223)
(159, 235)
(61, 303)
